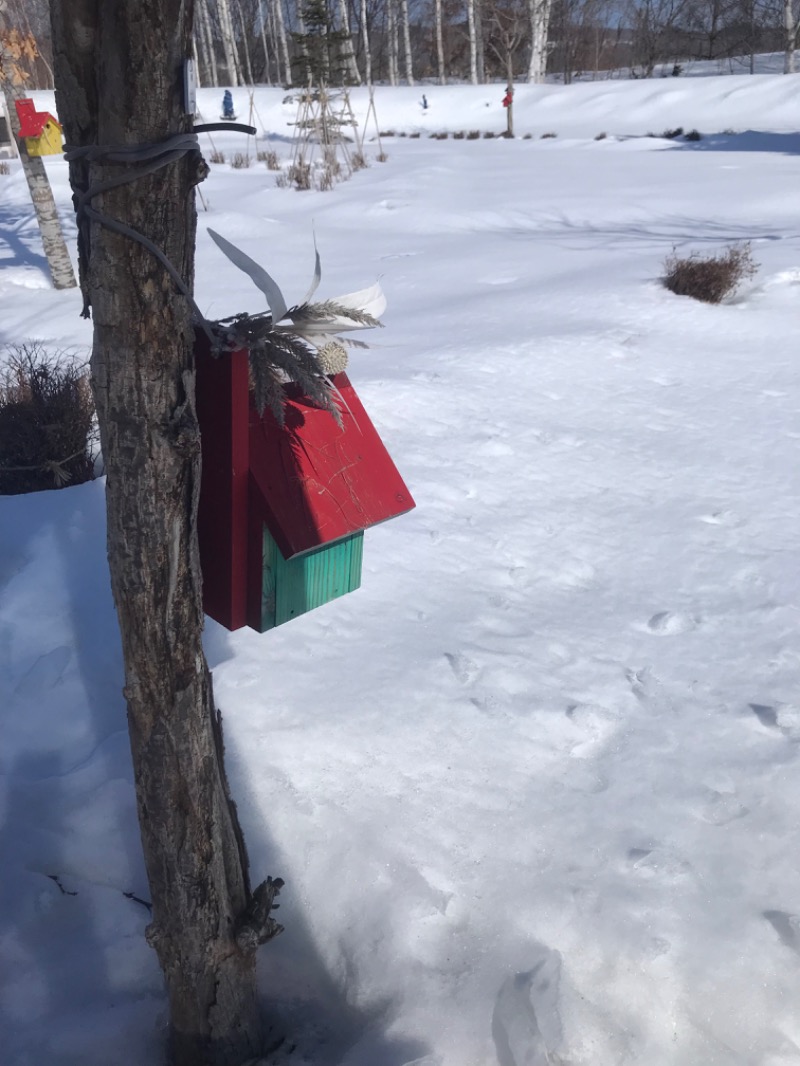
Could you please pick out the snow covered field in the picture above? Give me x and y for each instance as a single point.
(534, 789)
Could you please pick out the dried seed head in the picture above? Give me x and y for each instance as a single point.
(332, 358)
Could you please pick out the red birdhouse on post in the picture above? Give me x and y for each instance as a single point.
(283, 508)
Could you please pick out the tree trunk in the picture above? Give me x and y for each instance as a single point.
(211, 52)
(391, 14)
(473, 42)
(119, 75)
(228, 43)
(790, 32)
(406, 42)
(366, 42)
(439, 42)
(55, 248)
(539, 11)
(280, 22)
(248, 66)
(350, 57)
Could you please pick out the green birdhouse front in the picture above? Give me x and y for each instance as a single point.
(283, 508)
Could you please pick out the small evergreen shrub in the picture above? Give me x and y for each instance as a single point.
(47, 424)
(709, 278)
(671, 135)
(386, 133)
(693, 135)
(473, 135)
(488, 135)
(414, 136)
(548, 136)
(601, 136)
(528, 137)
(459, 135)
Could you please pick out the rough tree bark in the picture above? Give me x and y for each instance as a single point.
(55, 248)
(118, 76)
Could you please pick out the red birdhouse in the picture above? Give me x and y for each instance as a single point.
(283, 509)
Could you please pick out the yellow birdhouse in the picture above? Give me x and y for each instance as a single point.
(40, 131)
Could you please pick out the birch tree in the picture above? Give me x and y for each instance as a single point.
(12, 76)
(393, 43)
(790, 27)
(210, 55)
(228, 43)
(350, 59)
(439, 32)
(282, 39)
(365, 40)
(539, 14)
(407, 56)
(473, 42)
(206, 921)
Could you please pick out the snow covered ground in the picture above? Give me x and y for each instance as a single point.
(533, 788)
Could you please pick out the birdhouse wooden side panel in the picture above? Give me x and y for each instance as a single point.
(291, 587)
(222, 398)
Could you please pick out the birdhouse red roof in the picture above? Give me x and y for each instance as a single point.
(318, 481)
(31, 121)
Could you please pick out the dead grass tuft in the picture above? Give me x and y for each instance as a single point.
(709, 278)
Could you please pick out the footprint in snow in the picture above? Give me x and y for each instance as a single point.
(526, 1023)
(787, 926)
(721, 808)
(670, 623)
(720, 518)
(782, 718)
(464, 669)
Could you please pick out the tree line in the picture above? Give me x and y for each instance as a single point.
(248, 42)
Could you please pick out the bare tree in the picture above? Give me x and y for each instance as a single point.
(506, 28)
(206, 921)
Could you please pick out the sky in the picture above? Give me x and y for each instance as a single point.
(533, 788)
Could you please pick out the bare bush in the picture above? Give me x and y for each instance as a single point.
(240, 161)
(216, 157)
(358, 161)
(548, 136)
(710, 278)
(382, 157)
(299, 175)
(270, 157)
(47, 424)
(473, 135)
(4, 167)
